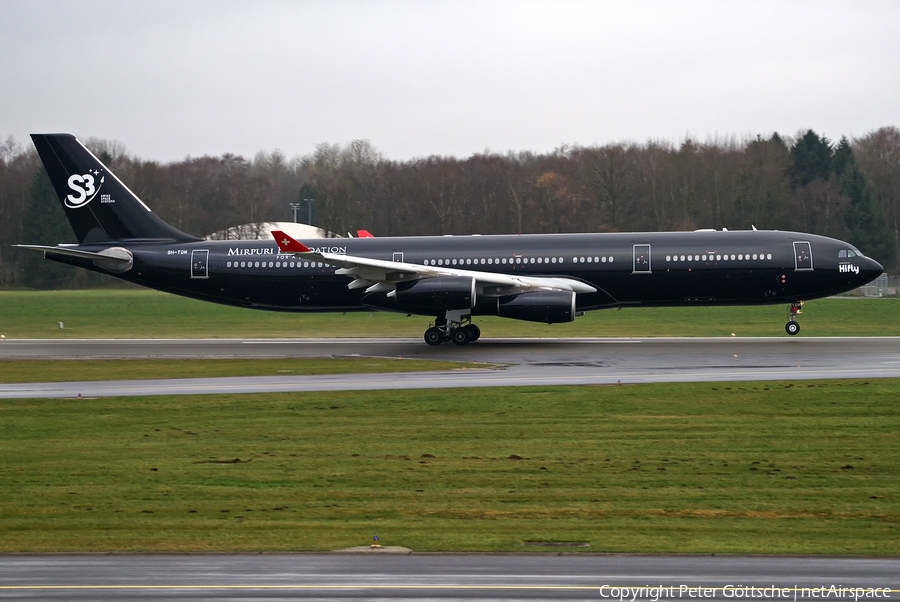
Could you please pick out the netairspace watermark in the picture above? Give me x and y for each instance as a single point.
(739, 592)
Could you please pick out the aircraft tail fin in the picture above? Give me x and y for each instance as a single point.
(286, 244)
(99, 206)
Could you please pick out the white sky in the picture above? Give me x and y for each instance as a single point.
(176, 78)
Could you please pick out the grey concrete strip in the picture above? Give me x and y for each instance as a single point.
(412, 380)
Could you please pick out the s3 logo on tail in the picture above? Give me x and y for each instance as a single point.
(85, 188)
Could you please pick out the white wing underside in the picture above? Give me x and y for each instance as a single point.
(377, 275)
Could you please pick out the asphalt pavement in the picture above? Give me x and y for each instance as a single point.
(443, 577)
(525, 362)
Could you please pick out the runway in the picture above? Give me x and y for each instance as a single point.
(585, 361)
(439, 577)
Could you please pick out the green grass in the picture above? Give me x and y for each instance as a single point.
(150, 314)
(29, 371)
(785, 468)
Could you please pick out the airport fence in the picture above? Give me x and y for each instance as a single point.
(883, 286)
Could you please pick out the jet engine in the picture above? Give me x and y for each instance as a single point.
(550, 307)
(452, 292)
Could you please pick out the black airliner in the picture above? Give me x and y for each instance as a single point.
(540, 277)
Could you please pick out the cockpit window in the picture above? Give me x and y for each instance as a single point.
(851, 252)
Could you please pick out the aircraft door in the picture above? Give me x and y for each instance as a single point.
(199, 264)
(398, 256)
(802, 256)
(641, 259)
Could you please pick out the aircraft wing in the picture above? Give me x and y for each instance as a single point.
(379, 275)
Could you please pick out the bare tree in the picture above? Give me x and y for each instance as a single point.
(611, 169)
(878, 154)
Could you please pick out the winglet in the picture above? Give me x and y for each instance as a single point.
(286, 244)
(364, 234)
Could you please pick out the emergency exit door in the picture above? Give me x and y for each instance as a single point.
(802, 256)
(641, 259)
(200, 264)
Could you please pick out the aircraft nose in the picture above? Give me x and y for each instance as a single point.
(870, 270)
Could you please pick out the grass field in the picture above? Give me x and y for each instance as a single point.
(28, 371)
(150, 314)
(788, 468)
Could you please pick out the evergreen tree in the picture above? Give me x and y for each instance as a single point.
(812, 159)
(843, 159)
(45, 224)
(865, 221)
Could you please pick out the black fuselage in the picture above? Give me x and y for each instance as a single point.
(627, 269)
(542, 277)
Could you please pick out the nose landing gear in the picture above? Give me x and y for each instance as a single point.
(793, 327)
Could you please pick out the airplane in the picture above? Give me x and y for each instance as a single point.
(547, 278)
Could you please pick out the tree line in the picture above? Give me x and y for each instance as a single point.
(845, 189)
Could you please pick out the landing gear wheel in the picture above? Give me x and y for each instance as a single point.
(474, 332)
(434, 336)
(792, 327)
(459, 336)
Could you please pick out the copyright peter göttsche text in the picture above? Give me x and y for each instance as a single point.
(654, 593)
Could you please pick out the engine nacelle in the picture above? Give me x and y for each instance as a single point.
(452, 292)
(551, 307)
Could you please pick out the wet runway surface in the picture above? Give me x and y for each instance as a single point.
(439, 577)
(526, 362)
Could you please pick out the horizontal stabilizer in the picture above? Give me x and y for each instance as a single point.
(113, 259)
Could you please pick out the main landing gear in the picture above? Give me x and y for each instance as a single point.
(461, 331)
(793, 327)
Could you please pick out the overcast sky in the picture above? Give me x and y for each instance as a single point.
(417, 78)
